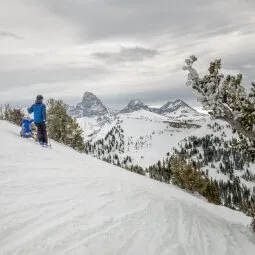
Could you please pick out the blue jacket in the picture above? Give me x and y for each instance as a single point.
(26, 125)
(39, 110)
(26, 128)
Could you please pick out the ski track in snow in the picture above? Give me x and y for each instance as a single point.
(59, 202)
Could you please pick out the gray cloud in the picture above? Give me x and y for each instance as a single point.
(72, 46)
(127, 54)
(11, 35)
(242, 63)
(143, 18)
(26, 78)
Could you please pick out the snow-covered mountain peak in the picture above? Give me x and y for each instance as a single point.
(135, 105)
(90, 106)
(177, 104)
(136, 102)
(180, 110)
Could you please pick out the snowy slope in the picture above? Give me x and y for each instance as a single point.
(49, 205)
(143, 138)
(147, 136)
(185, 114)
(226, 134)
(92, 125)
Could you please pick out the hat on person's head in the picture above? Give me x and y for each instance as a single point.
(39, 97)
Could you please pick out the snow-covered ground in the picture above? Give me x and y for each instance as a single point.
(185, 114)
(90, 125)
(147, 135)
(57, 201)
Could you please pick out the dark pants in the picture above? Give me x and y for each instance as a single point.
(41, 132)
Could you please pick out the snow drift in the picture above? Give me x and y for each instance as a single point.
(57, 201)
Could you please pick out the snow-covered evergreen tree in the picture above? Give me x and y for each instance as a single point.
(225, 98)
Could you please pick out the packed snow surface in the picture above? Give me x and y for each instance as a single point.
(57, 201)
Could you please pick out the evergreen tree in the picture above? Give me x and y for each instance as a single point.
(62, 127)
(226, 98)
(253, 224)
(13, 115)
(212, 193)
(76, 137)
(1, 113)
(186, 176)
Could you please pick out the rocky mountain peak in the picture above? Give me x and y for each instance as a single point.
(176, 105)
(136, 102)
(89, 107)
(135, 105)
(89, 96)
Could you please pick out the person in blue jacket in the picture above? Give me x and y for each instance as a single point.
(39, 110)
(26, 130)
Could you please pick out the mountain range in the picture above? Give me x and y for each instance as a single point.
(91, 106)
(148, 132)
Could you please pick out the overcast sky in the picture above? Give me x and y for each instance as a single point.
(119, 49)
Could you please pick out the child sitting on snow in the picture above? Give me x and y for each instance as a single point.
(26, 130)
